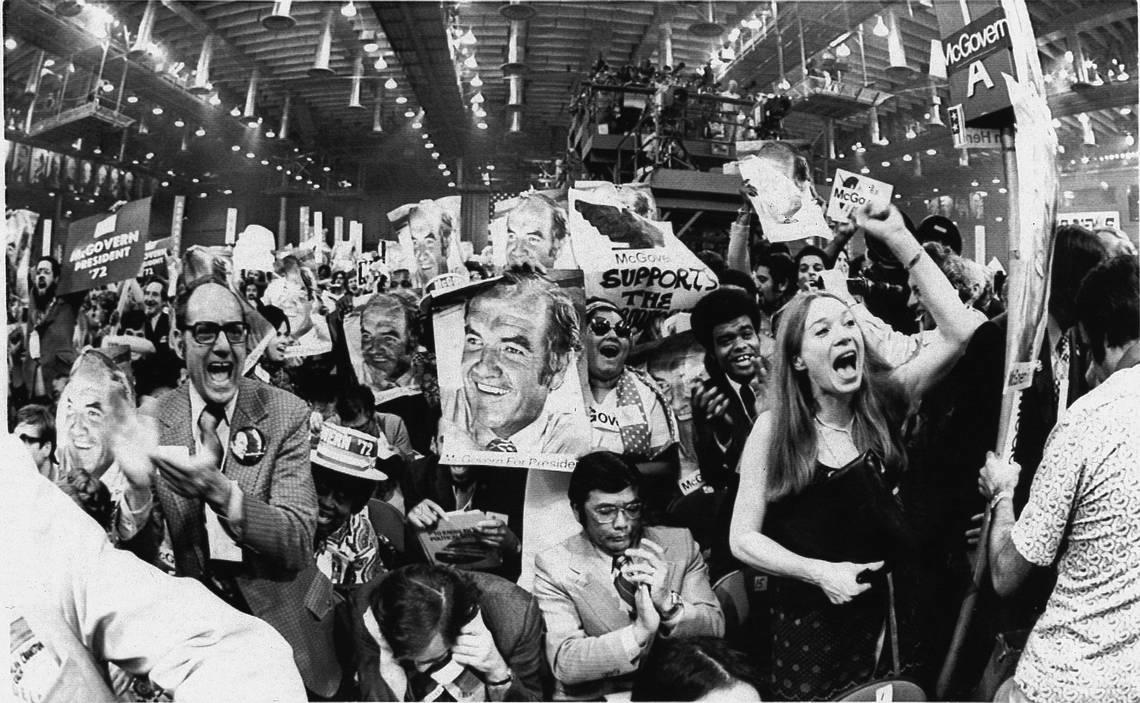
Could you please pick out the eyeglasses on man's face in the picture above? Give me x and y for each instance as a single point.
(608, 512)
(206, 333)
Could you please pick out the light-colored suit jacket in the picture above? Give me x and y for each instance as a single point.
(585, 620)
(278, 577)
(77, 603)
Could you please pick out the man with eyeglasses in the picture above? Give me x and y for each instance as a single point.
(235, 485)
(609, 591)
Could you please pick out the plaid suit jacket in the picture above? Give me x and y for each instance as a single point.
(278, 577)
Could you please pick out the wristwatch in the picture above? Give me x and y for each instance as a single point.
(675, 604)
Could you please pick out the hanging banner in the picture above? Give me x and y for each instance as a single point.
(176, 225)
(787, 211)
(317, 235)
(976, 57)
(635, 263)
(356, 236)
(105, 248)
(45, 249)
(512, 378)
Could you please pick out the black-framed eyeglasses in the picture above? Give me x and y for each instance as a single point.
(605, 514)
(28, 439)
(207, 332)
(601, 327)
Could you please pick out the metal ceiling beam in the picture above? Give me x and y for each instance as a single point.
(1092, 16)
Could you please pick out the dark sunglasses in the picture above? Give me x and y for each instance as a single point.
(207, 332)
(601, 327)
(28, 439)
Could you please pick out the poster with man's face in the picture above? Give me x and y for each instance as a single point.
(512, 372)
(428, 234)
(529, 228)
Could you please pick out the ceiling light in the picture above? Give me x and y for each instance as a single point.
(1129, 139)
(476, 82)
(270, 134)
(326, 169)
(391, 84)
(477, 99)
(297, 177)
(482, 125)
(249, 154)
(470, 62)
(265, 162)
(441, 166)
(435, 154)
(402, 100)
(193, 180)
(236, 112)
(468, 38)
(446, 172)
(235, 147)
(156, 110)
(753, 23)
(150, 155)
(179, 123)
(280, 167)
(166, 184)
(933, 190)
(886, 164)
(348, 9)
(843, 51)
(96, 151)
(417, 124)
(215, 100)
(381, 64)
(931, 152)
(880, 29)
(429, 145)
(451, 184)
(907, 157)
(371, 47)
(996, 181)
(132, 99)
(227, 191)
(10, 44)
(490, 167)
(410, 113)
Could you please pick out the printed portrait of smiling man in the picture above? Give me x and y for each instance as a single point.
(519, 339)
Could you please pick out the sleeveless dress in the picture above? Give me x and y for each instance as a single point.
(846, 514)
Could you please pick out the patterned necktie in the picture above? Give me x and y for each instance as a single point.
(625, 588)
(501, 445)
(748, 397)
(1060, 368)
(208, 423)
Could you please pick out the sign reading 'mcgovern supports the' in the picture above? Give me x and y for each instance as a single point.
(976, 56)
(105, 248)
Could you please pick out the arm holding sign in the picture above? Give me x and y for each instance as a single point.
(738, 257)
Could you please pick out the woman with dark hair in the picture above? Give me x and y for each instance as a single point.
(696, 669)
(816, 505)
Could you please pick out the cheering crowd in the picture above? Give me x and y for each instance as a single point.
(236, 471)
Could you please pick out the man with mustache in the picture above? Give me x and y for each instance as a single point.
(520, 339)
(49, 330)
(235, 486)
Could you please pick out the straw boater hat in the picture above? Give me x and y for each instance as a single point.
(349, 452)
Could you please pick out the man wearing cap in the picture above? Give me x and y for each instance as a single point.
(345, 475)
(235, 486)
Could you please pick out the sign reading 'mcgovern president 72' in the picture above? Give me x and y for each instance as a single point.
(976, 56)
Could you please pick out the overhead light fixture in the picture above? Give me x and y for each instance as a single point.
(270, 134)
(842, 51)
(442, 166)
(371, 47)
(931, 152)
(132, 99)
(429, 145)
(446, 172)
(179, 123)
(410, 113)
(468, 38)
(470, 62)
(149, 154)
(215, 100)
(10, 44)
(477, 98)
(265, 162)
(348, 9)
(476, 82)
(402, 100)
(490, 167)
(482, 125)
(236, 112)
(417, 124)
(880, 29)
(391, 84)
(156, 110)
(907, 157)
(380, 64)
(451, 184)
(249, 154)
(435, 154)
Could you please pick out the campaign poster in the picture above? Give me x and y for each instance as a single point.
(787, 211)
(852, 191)
(154, 258)
(512, 373)
(428, 235)
(105, 248)
(636, 263)
(530, 228)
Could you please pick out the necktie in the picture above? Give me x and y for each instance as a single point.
(208, 423)
(626, 589)
(748, 397)
(1060, 368)
(501, 445)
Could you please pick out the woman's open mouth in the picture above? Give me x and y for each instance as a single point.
(847, 365)
(610, 350)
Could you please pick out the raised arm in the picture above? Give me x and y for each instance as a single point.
(954, 320)
(837, 580)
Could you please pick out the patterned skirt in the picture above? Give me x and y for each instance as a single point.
(818, 651)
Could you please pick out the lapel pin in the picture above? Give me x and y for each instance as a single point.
(248, 446)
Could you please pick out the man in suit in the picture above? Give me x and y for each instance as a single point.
(77, 604)
(609, 591)
(425, 631)
(49, 330)
(235, 487)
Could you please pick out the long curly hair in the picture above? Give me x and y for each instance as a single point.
(878, 407)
